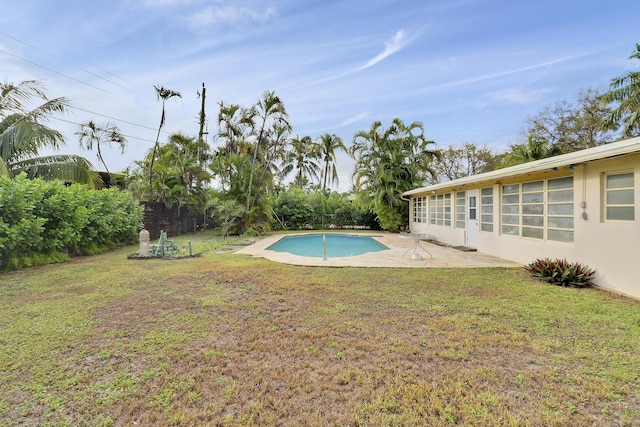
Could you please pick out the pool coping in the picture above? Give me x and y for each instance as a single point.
(402, 253)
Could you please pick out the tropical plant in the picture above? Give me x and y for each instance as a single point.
(90, 133)
(536, 148)
(254, 145)
(301, 158)
(24, 133)
(229, 212)
(328, 145)
(388, 163)
(270, 119)
(625, 93)
(180, 176)
(233, 124)
(162, 94)
(561, 272)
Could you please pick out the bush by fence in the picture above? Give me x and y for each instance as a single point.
(43, 222)
(298, 209)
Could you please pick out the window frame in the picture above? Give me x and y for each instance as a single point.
(460, 210)
(522, 210)
(440, 209)
(420, 210)
(606, 191)
(486, 209)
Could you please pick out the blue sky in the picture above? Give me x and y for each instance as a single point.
(470, 70)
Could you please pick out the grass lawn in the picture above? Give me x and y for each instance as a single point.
(224, 339)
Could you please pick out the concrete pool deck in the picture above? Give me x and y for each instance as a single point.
(401, 250)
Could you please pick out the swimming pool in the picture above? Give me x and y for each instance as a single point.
(337, 245)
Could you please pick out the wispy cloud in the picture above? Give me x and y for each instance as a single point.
(506, 72)
(399, 41)
(395, 44)
(518, 96)
(166, 3)
(354, 119)
(213, 16)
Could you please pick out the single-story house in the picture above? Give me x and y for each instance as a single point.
(582, 206)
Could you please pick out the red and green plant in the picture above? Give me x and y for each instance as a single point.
(561, 272)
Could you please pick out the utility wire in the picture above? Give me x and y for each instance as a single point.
(76, 80)
(120, 120)
(55, 72)
(64, 75)
(127, 136)
(52, 56)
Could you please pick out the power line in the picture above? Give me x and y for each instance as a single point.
(52, 56)
(107, 72)
(76, 80)
(117, 119)
(127, 136)
(80, 81)
(65, 75)
(55, 72)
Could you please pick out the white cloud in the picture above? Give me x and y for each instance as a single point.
(166, 3)
(354, 119)
(518, 96)
(499, 74)
(212, 16)
(395, 44)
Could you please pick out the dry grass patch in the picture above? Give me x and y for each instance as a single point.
(223, 339)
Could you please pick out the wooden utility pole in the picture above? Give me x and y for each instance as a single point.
(202, 115)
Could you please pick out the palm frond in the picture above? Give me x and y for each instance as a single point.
(21, 138)
(13, 95)
(4, 169)
(59, 167)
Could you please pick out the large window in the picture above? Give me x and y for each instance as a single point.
(539, 209)
(560, 209)
(486, 209)
(420, 209)
(619, 200)
(533, 209)
(440, 209)
(511, 209)
(460, 209)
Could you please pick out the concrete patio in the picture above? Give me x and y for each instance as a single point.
(400, 254)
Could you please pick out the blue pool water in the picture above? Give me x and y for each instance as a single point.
(338, 245)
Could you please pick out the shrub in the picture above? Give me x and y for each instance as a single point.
(299, 209)
(41, 221)
(561, 272)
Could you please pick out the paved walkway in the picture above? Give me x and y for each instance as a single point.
(400, 254)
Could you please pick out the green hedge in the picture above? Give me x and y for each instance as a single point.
(45, 221)
(311, 209)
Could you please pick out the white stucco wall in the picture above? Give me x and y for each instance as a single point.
(446, 234)
(611, 248)
(449, 235)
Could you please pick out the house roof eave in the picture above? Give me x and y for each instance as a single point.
(613, 149)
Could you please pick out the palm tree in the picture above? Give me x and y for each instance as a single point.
(90, 133)
(233, 124)
(273, 120)
(536, 148)
(328, 145)
(625, 91)
(162, 94)
(23, 133)
(301, 158)
(388, 163)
